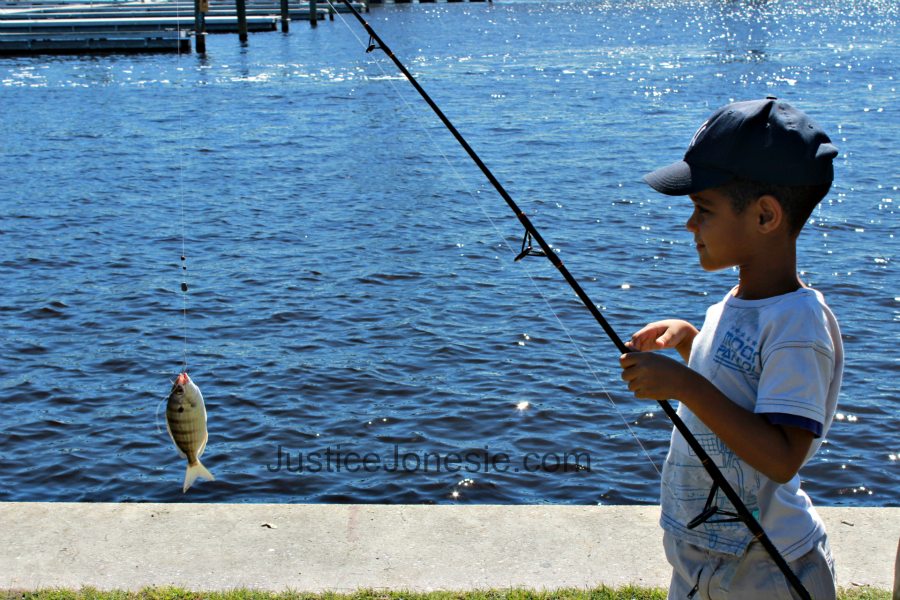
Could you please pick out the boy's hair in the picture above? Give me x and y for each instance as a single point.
(797, 201)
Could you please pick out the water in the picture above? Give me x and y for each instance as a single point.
(347, 293)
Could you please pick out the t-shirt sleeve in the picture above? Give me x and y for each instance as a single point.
(794, 421)
(795, 380)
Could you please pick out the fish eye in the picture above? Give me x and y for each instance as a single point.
(179, 391)
(180, 409)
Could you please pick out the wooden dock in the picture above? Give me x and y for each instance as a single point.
(62, 43)
(133, 10)
(297, 13)
(43, 27)
(74, 26)
(134, 25)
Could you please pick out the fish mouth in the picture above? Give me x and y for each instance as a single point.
(182, 379)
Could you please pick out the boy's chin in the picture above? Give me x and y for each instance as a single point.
(711, 267)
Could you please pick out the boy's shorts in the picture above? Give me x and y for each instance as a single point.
(700, 574)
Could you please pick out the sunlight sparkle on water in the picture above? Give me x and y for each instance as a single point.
(667, 66)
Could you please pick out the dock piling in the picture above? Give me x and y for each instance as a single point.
(313, 13)
(242, 19)
(285, 16)
(202, 7)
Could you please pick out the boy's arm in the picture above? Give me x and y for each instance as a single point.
(776, 451)
(663, 335)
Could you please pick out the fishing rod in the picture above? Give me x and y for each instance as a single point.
(719, 481)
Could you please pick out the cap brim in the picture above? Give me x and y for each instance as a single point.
(682, 178)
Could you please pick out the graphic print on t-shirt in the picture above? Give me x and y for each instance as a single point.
(693, 487)
(738, 351)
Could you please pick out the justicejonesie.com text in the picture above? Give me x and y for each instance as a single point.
(334, 460)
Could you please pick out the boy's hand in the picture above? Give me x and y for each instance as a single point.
(656, 377)
(776, 451)
(663, 335)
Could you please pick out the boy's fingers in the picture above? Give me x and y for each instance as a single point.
(627, 360)
(635, 389)
(644, 332)
(644, 342)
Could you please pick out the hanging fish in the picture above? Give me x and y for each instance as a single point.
(186, 422)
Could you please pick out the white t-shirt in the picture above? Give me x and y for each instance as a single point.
(778, 355)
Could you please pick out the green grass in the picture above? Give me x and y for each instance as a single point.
(171, 593)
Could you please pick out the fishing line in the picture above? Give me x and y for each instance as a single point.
(503, 238)
(181, 182)
(181, 194)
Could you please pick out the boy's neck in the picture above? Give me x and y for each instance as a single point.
(772, 273)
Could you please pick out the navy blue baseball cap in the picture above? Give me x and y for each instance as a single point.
(763, 140)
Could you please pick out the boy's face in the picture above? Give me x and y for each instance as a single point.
(724, 239)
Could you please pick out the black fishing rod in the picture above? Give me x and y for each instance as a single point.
(719, 481)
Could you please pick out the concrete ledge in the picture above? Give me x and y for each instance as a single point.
(345, 547)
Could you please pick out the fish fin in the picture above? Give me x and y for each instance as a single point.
(157, 416)
(180, 452)
(203, 445)
(195, 471)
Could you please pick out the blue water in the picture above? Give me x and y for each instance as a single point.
(346, 292)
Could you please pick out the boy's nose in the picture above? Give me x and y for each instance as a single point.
(691, 224)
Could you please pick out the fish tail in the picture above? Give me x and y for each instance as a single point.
(193, 472)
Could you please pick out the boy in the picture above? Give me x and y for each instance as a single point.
(763, 375)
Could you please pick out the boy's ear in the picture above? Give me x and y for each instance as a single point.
(769, 213)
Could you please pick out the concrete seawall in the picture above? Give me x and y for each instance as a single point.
(344, 547)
